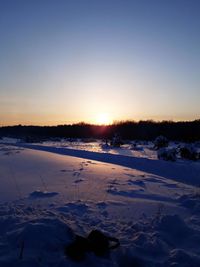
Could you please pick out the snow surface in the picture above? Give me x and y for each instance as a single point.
(50, 192)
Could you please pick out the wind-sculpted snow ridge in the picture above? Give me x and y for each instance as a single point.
(179, 171)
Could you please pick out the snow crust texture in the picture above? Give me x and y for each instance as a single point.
(49, 195)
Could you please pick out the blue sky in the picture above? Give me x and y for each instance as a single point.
(66, 61)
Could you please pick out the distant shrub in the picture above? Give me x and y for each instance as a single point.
(197, 144)
(135, 147)
(88, 140)
(104, 146)
(55, 139)
(161, 141)
(189, 152)
(167, 154)
(33, 139)
(145, 143)
(71, 140)
(116, 141)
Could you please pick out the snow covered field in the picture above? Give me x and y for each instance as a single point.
(51, 191)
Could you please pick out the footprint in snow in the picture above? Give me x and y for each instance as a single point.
(101, 205)
(89, 161)
(42, 194)
(130, 175)
(76, 174)
(65, 170)
(171, 185)
(78, 181)
(137, 182)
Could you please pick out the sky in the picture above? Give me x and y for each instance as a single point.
(66, 61)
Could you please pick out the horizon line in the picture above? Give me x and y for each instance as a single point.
(96, 124)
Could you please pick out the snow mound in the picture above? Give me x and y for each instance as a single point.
(41, 234)
(31, 237)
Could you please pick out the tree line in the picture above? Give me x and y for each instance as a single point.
(188, 131)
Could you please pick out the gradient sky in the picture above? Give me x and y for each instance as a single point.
(66, 61)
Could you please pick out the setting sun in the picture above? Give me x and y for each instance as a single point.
(103, 119)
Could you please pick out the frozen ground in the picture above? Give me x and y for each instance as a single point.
(151, 206)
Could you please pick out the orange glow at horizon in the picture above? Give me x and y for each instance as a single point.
(103, 119)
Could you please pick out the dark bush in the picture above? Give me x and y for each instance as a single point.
(167, 154)
(189, 152)
(161, 141)
(116, 141)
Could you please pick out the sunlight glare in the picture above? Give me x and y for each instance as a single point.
(103, 119)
